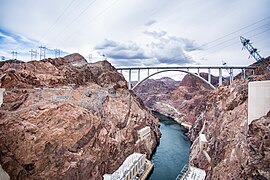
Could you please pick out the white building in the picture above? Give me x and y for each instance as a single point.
(131, 168)
(1, 95)
(258, 99)
(144, 133)
(203, 142)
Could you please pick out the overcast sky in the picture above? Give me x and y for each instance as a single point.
(137, 32)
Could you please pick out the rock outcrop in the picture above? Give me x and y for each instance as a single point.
(66, 119)
(181, 100)
(237, 151)
(153, 91)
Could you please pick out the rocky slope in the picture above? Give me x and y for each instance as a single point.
(66, 119)
(155, 90)
(237, 151)
(181, 101)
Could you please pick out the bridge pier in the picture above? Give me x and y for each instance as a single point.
(220, 77)
(209, 75)
(139, 73)
(129, 79)
(244, 73)
(148, 73)
(231, 75)
(198, 71)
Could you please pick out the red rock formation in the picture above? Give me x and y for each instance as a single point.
(155, 90)
(237, 151)
(182, 102)
(65, 119)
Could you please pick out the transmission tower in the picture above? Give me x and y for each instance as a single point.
(33, 54)
(57, 53)
(42, 52)
(252, 51)
(14, 55)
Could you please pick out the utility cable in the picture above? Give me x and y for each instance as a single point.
(235, 31)
(93, 19)
(74, 19)
(58, 19)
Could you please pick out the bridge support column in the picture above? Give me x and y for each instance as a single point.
(139, 73)
(244, 73)
(187, 69)
(198, 71)
(129, 79)
(148, 73)
(121, 71)
(220, 77)
(230, 72)
(209, 75)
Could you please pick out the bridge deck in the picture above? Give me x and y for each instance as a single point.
(190, 67)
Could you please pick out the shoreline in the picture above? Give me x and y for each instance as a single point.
(185, 125)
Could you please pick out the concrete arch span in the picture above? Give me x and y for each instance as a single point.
(179, 70)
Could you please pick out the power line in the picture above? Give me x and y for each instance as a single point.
(58, 18)
(235, 31)
(224, 46)
(237, 36)
(94, 18)
(74, 19)
(233, 44)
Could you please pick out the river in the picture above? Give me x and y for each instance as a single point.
(173, 151)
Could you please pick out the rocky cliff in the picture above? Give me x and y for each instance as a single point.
(66, 119)
(153, 91)
(181, 100)
(237, 151)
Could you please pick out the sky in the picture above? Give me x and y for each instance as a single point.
(140, 33)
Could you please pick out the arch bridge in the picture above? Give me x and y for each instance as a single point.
(185, 69)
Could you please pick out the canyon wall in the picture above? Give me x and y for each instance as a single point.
(237, 150)
(64, 118)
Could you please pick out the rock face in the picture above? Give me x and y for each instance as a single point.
(183, 101)
(155, 90)
(65, 119)
(237, 151)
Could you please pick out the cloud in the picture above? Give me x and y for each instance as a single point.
(150, 22)
(188, 44)
(162, 49)
(125, 53)
(155, 34)
(170, 49)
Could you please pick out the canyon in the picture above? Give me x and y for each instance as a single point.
(181, 100)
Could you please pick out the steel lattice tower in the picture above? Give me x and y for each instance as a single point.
(252, 51)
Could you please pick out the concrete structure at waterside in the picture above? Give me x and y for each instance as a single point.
(144, 133)
(1, 95)
(132, 168)
(191, 173)
(258, 99)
